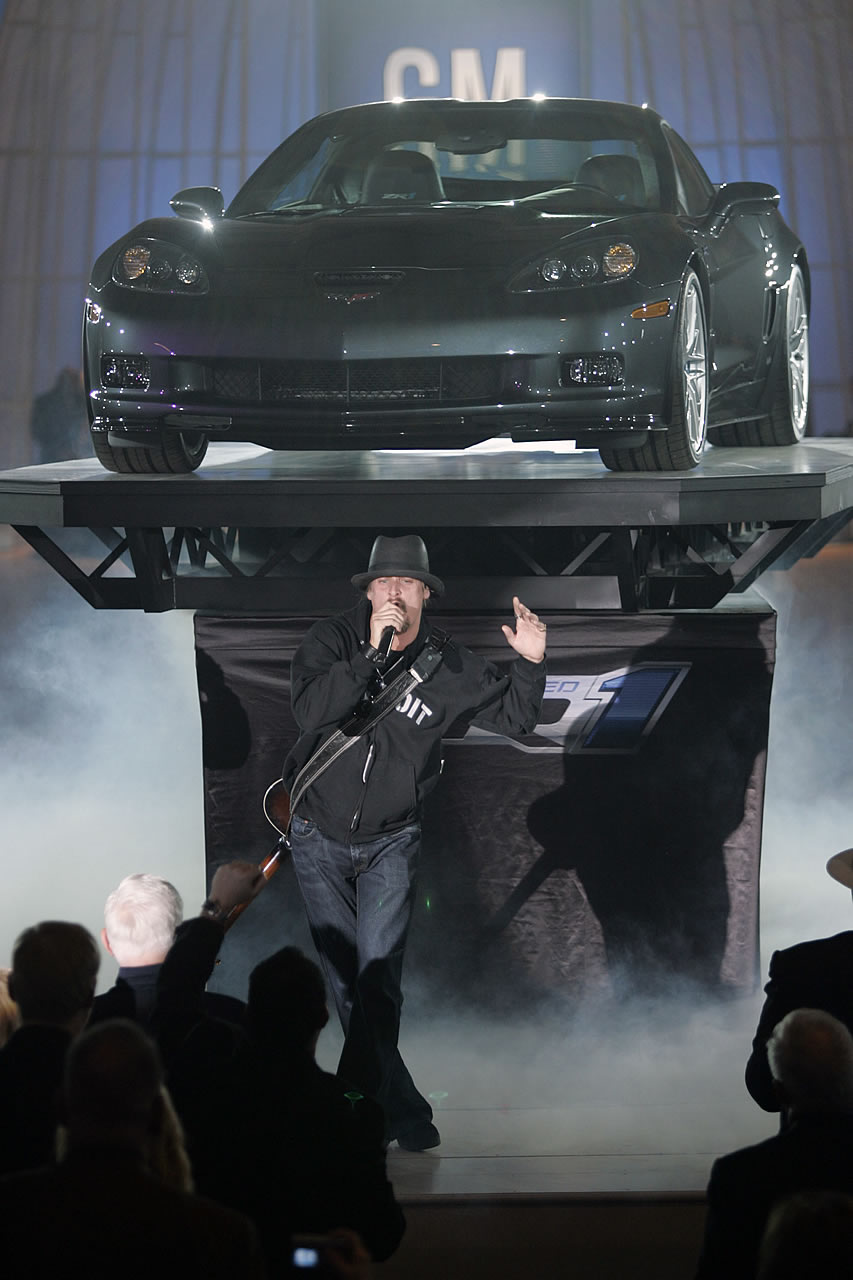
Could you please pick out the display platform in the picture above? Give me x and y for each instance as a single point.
(254, 530)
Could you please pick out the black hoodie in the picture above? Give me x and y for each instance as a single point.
(378, 785)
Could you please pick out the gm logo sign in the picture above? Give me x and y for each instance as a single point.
(467, 74)
(609, 714)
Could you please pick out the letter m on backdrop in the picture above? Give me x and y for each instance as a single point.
(467, 79)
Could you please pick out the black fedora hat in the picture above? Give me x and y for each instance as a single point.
(404, 557)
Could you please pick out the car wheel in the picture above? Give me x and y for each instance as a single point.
(681, 447)
(173, 453)
(112, 459)
(789, 411)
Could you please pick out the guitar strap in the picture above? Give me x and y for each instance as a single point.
(422, 669)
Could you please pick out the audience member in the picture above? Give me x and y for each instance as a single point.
(59, 422)
(10, 1017)
(101, 1207)
(140, 918)
(811, 1062)
(809, 1234)
(166, 1153)
(269, 1132)
(810, 975)
(54, 970)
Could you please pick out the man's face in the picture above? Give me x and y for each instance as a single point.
(408, 593)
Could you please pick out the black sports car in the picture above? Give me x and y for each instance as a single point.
(437, 273)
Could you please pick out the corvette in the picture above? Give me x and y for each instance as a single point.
(435, 273)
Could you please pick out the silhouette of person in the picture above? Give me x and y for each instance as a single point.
(59, 423)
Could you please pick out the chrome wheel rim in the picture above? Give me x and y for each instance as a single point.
(797, 352)
(695, 367)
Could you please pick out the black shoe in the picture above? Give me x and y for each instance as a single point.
(420, 1137)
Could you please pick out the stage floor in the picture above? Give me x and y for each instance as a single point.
(502, 485)
(549, 1152)
(637, 1102)
(259, 531)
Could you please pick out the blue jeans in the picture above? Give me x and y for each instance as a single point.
(359, 899)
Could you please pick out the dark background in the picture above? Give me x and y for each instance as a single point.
(560, 874)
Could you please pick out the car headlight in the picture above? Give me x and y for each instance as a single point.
(619, 260)
(156, 266)
(579, 265)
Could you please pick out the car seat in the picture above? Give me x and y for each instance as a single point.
(401, 177)
(620, 176)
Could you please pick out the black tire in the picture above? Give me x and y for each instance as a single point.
(173, 453)
(681, 447)
(788, 417)
(112, 459)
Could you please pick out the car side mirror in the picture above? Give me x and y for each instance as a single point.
(743, 197)
(198, 203)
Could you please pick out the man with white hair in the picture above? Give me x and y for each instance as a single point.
(811, 1061)
(140, 918)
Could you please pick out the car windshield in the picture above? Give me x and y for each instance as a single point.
(398, 156)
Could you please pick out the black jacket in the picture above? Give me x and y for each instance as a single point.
(269, 1133)
(100, 1208)
(134, 996)
(811, 975)
(815, 1152)
(378, 785)
(31, 1065)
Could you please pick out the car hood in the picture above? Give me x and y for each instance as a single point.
(439, 238)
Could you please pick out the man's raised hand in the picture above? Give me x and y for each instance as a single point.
(528, 638)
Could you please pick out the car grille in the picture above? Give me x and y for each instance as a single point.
(358, 382)
(358, 279)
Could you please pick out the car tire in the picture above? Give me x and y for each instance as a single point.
(788, 417)
(681, 447)
(175, 452)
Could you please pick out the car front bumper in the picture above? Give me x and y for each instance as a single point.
(339, 376)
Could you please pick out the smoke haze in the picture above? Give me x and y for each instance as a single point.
(102, 777)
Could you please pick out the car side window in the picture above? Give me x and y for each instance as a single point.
(695, 190)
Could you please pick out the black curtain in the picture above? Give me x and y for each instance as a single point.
(616, 851)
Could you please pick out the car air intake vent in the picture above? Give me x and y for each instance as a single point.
(355, 383)
(352, 383)
(476, 379)
(357, 279)
(237, 380)
(303, 380)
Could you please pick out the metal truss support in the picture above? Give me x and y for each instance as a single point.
(306, 571)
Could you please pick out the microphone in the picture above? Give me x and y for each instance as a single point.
(385, 642)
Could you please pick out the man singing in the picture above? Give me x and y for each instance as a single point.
(355, 833)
